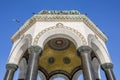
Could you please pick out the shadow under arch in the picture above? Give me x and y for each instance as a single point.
(60, 36)
(67, 53)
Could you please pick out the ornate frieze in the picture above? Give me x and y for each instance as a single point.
(23, 29)
(60, 25)
(49, 17)
(66, 12)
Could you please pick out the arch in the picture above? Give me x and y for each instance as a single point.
(99, 49)
(64, 77)
(41, 75)
(19, 50)
(59, 31)
(77, 74)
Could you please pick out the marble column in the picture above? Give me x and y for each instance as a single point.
(84, 53)
(11, 68)
(32, 69)
(96, 67)
(22, 69)
(108, 69)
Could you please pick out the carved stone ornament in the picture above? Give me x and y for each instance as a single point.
(34, 49)
(55, 18)
(11, 67)
(60, 25)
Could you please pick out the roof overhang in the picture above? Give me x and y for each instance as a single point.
(61, 16)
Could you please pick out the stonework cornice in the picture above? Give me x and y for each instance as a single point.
(23, 29)
(58, 18)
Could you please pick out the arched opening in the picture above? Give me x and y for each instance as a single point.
(80, 77)
(39, 78)
(59, 30)
(19, 49)
(59, 45)
(100, 53)
(59, 78)
(99, 50)
(59, 54)
(102, 75)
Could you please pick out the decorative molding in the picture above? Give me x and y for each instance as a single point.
(99, 49)
(56, 18)
(66, 12)
(84, 50)
(107, 66)
(60, 25)
(35, 50)
(23, 29)
(94, 28)
(59, 43)
(11, 67)
(23, 44)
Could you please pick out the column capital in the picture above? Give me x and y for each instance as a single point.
(34, 49)
(32, 69)
(11, 67)
(84, 49)
(107, 66)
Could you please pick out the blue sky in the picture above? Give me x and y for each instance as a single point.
(104, 13)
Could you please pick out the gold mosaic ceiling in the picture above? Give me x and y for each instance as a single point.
(59, 54)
